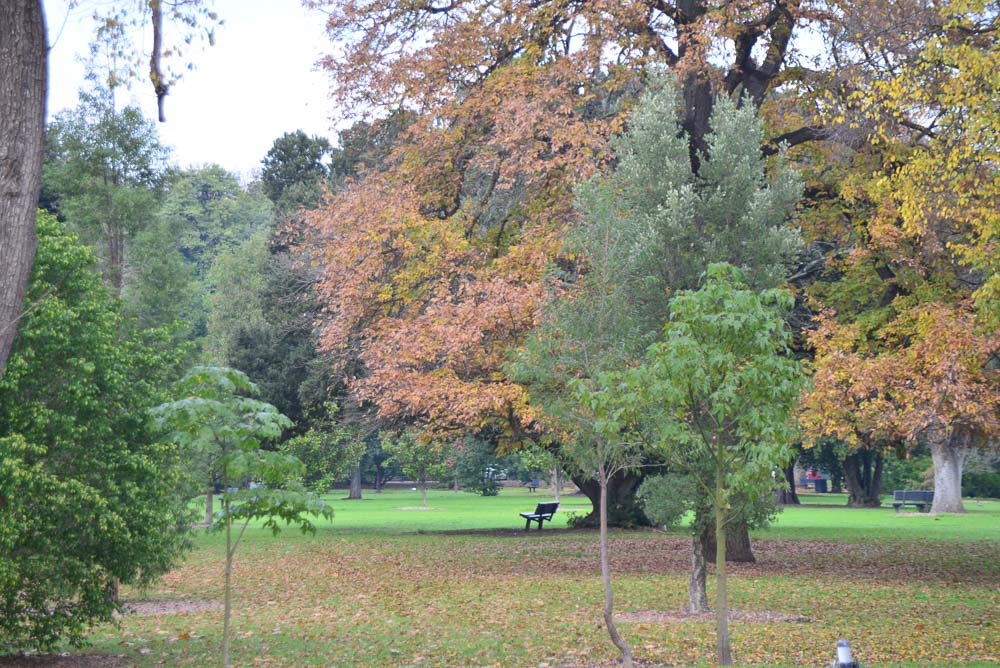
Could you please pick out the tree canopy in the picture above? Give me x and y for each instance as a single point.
(89, 495)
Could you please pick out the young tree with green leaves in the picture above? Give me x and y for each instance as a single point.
(604, 449)
(217, 421)
(650, 229)
(88, 496)
(715, 399)
(476, 464)
(421, 457)
(328, 450)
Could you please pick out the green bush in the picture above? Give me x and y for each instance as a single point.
(89, 497)
(476, 466)
(905, 473)
(981, 485)
(666, 498)
(327, 454)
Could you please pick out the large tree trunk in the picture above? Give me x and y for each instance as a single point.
(698, 102)
(863, 475)
(354, 493)
(556, 482)
(23, 72)
(948, 450)
(738, 547)
(609, 599)
(623, 507)
(786, 496)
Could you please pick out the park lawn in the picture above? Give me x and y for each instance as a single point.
(833, 521)
(462, 585)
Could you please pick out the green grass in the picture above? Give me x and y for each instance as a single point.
(835, 522)
(399, 511)
(460, 585)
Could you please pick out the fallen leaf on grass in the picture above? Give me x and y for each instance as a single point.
(751, 616)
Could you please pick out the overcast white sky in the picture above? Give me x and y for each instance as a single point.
(256, 83)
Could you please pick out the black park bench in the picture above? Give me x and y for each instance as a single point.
(921, 498)
(543, 511)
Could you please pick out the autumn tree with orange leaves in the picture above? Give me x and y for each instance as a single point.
(906, 353)
(433, 267)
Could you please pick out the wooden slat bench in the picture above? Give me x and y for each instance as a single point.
(921, 498)
(543, 511)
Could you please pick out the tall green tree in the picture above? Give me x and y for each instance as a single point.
(88, 496)
(421, 457)
(210, 211)
(715, 399)
(295, 170)
(206, 212)
(103, 173)
(649, 229)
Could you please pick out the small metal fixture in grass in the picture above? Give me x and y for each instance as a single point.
(844, 658)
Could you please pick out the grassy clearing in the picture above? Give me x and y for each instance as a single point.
(381, 586)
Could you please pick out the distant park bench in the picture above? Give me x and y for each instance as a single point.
(543, 511)
(921, 498)
(532, 484)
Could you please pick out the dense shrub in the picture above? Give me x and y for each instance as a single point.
(907, 473)
(88, 497)
(666, 498)
(476, 466)
(327, 454)
(981, 485)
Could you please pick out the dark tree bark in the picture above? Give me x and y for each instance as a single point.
(23, 74)
(355, 490)
(623, 507)
(863, 475)
(738, 547)
(786, 495)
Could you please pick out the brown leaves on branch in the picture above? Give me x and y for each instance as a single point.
(930, 369)
(433, 267)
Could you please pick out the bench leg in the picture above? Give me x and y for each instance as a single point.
(527, 525)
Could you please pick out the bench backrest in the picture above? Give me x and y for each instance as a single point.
(547, 508)
(923, 495)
